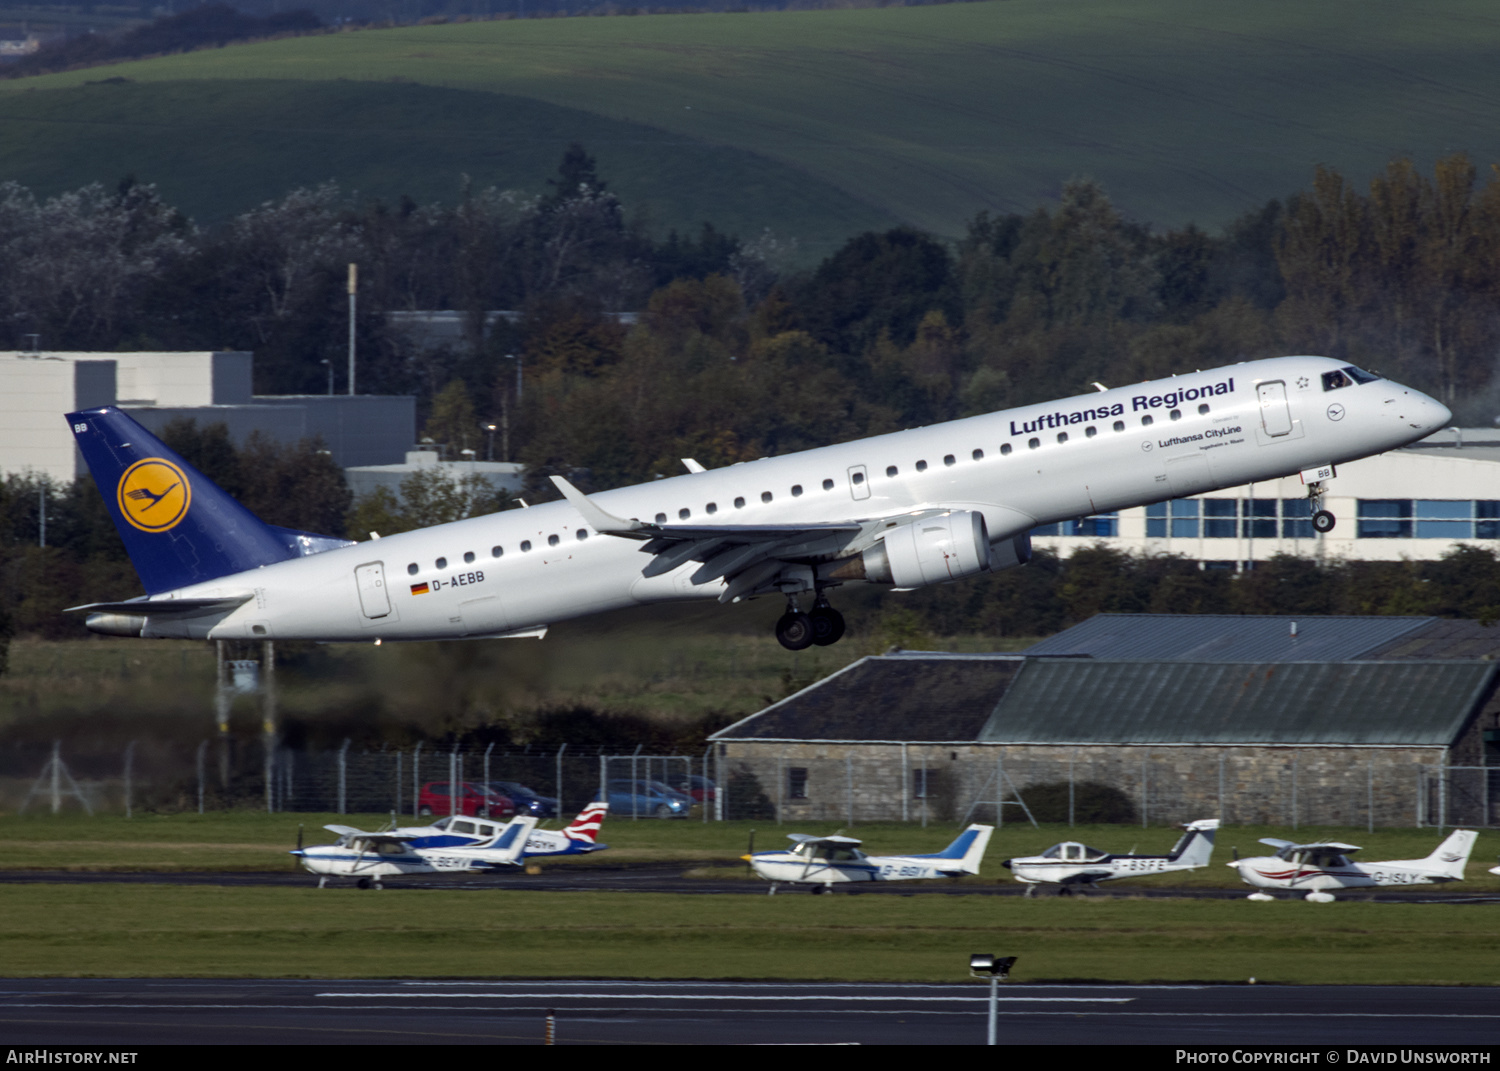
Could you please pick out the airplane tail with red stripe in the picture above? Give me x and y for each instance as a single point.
(585, 828)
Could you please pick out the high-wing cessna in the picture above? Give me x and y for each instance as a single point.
(824, 862)
(1318, 868)
(579, 837)
(372, 857)
(907, 509)
(1069, 864)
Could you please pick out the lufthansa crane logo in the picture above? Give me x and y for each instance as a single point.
(154, 495)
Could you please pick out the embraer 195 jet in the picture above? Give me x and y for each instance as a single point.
(908, 509)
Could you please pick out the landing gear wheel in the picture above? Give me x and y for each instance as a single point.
(795, 631)
(366, 883)
(827, 625)
(1323, 521)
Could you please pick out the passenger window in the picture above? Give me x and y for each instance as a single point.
(1004, 449)
(1033, 443)
(1146, 421)
(921, 466)
(661, 518)
(796, 490)
(1175, 414)
(978, 455)
(495, 552)
(552, 541)
(684, 514)
(441, 563)
(583, 533)
(1119, 425)
(525, 545)
(1062, 436)
(765, 496)
(1090, 431)
(949, 459)
(411, 570)
(1202, 409)
(891, 470)
(711, 508)
(828, 485)
(468, 557)
(739, 503)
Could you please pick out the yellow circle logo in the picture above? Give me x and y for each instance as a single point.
(154, 495)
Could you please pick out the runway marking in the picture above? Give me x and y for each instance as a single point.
(737, 996)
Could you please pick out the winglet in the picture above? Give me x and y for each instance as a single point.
(692, 466)
(596, 518)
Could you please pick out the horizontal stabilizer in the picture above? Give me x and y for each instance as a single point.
(164, 607)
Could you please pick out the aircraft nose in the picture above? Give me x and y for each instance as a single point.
(1421, 412)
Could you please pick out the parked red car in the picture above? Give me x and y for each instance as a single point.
(475, 800)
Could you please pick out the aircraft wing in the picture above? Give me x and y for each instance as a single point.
(1333, 844)
(744, 555)
(350, 831)
(831, 842)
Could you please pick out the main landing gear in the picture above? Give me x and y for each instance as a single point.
(822, 626)
(1322, 520)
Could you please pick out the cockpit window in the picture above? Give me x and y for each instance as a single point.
(1336, 379)
(1359, 375)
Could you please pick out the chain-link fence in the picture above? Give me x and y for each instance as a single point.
(917, 783)
(414, 781)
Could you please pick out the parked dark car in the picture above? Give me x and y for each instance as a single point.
(474, 800)
(527, 800)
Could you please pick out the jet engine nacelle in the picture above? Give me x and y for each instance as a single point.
(932, 550)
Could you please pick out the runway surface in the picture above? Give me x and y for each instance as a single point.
(658, 878)
(59, 1012)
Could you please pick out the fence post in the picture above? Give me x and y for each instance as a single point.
(397, 809)
(416, 787)
(849, 777)
(558, 787)
(1145, 785)
(129, 764)
(202, 752)
(344, 777)
(487, 751)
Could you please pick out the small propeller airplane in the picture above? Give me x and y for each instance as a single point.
(1320, 867)
(579, 837)
(823, 862)
(1071, 864)
(372, 857)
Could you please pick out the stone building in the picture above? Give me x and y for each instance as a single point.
(916, 735)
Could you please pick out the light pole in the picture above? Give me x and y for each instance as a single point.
(353, 286)
(997, 970)
(491, 429)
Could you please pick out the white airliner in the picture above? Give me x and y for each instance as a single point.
(1319, 868)
(1071, 864)
(907, 509)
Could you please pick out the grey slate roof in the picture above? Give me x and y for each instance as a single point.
(1424, 704)
(1005, 699)
(894, 697)
(1228, 638)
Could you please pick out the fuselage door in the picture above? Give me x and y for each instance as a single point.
(1275, 416)
(374, 600)
(859, 481)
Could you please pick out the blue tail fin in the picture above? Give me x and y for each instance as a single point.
(179, 527)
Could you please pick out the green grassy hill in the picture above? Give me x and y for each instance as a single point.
(818, 122)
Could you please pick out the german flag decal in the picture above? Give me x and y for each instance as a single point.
(419, 589)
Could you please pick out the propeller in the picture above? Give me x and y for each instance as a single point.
(749, 851)
(298, 856)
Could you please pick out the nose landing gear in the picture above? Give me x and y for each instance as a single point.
(1322, 520)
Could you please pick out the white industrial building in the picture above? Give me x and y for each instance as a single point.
(37, 389)
(1413, 503)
